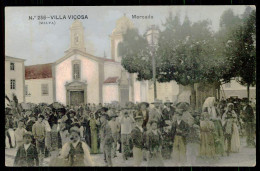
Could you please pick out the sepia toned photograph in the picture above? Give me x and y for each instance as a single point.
(130, 86)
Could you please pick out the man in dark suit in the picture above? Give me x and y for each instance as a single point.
(144, 112)
(249, 118)
(179, 132)
(107, 138)
(168, 111)
(27, 153)
(138, 141)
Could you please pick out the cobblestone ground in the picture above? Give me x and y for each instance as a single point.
(246, 157)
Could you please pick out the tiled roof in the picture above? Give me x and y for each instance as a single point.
(38, 71)
(111, 80)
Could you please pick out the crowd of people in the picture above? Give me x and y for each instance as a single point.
(154, 132)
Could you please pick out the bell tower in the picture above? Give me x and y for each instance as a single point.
(122, 24)
(77, 36)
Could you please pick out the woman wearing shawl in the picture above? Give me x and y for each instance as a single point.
(207, 132)
(215, 117)
(230, 122)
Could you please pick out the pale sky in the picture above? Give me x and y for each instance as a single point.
(40, 44)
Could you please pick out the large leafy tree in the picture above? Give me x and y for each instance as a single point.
(188, 55)
(136, 56)
(240, 51)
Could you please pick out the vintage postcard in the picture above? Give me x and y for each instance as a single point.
(130, 86)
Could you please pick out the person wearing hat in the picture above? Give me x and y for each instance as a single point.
(126, 123)
(27, 154)
(39, 133)
(248, 118)
(156, 114)
(179, 132)
(138, 141)
(75, 152)
(154, 145)
(30, 122)
(168, 111)
(115, 128)
(106, 138)
(9, 132)
(69, 118)
(144, 112)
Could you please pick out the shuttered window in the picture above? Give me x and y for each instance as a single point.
(45, 89)
(12, 84)
(76, 71)
(12, 66)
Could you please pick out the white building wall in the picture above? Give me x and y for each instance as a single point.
(144, 91)
(89, 73)
(165, 91)
(137, 91)
(110, 93)
(18, 75)
(234, 85)
(35, 91)
(112, 69)
(235, 89)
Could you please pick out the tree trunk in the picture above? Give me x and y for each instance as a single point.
(193, 97)
(248, 92)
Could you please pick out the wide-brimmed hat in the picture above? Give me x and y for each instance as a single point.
(113, 115)
(153, 121)
(41, 116)
(104, 114)
(71, 111)
(138, 117)
(157, 101)
(105, 109)
(74, 129)
(28, 113)
(230, 104)
(168, 102)
(144, 103)
(182, 106)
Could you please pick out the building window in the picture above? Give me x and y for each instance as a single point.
(227, 85)
(12, 66)
(45, 89)
(76, 71)
(12, 84)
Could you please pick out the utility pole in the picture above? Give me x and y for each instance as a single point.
(152, 37)
(154, 68)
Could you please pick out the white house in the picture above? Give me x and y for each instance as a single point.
(39, 83)
(14, 78)
(234, 89)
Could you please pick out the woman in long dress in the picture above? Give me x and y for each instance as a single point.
(207, 131)
(215, 116)
(230, 116)
(93, 131)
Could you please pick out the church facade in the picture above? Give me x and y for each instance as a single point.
(79, 77)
